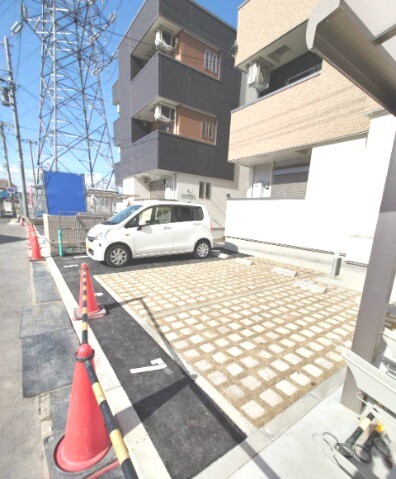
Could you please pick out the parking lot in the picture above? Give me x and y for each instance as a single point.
(258, 334)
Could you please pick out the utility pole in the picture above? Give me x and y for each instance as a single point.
(31, 142)
(25, 208)
(7, 165)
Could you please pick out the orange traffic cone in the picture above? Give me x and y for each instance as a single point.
(29, 234)
(94, 310)
(36, 252)
(86, 440)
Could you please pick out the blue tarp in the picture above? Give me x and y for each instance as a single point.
(65, 193)
(4, 194)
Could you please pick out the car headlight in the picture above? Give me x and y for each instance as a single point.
(101, 235)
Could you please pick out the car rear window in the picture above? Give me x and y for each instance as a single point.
(188, 213)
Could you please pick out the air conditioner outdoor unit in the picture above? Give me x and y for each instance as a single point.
(163, 114)
(258, 76)
(163, 41)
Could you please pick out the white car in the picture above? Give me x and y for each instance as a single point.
(151, 228)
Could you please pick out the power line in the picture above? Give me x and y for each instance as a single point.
(73, 130)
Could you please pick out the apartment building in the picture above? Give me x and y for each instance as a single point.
(176, 88)
(317, 147)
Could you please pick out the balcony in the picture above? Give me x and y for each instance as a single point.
(160, 150)
(260, 27)
(317, 109)
(165, 77)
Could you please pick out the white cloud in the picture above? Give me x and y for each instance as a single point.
(16, 176)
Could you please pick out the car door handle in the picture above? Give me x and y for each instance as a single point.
(167, 228)
(197, 224)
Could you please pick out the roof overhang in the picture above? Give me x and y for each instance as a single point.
(359, 41)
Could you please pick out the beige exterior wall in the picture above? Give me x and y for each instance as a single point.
(188, 124)
(318, 110)
(260, 22)
(191, 52)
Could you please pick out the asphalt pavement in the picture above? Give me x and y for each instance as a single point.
(21, 451)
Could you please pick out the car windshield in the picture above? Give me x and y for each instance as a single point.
(122, 215)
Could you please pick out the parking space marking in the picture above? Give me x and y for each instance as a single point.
(156, 364)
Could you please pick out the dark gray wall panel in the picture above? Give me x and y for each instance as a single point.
(173, 153)
(144, 87)
(143, 21)
(116, 132)
(198, 21)
(188, 156)
(115, 93)
(188, 86)
(139, 130)
(138, 158)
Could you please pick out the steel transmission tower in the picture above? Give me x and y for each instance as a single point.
(73, 130)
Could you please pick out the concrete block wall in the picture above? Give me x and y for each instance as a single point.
(74, 231)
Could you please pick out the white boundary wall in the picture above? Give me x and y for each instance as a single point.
(344, 192)
(187, 189)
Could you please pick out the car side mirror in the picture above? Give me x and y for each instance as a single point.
(141, 224)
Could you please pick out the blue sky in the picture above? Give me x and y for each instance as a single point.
(25, 51)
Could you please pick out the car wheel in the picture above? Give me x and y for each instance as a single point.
(118, 255)
(202, 249)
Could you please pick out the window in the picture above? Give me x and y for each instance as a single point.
(167, 38)
(215, 64)
(201, 189)
(146, 215)
(207, 191)
(211, 62)
(211, 131)
(208, 130)
(207, 60)
(168, 112)
(204, 129)
(122, 215)
(162, 214)
(187, 213)
(165, 117)
(204, 190)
